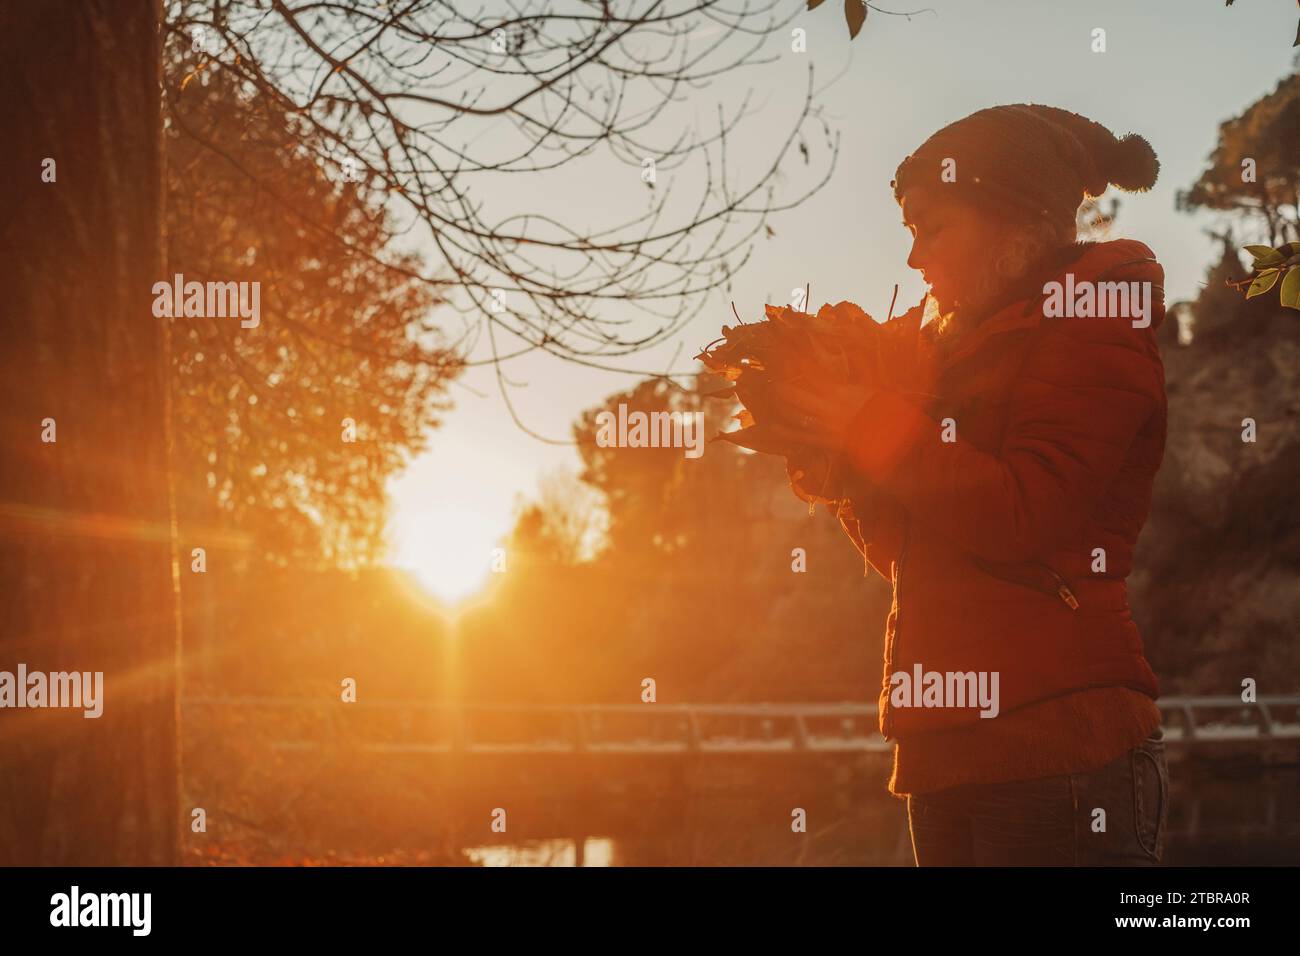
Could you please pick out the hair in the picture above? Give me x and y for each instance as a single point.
(1027, 242)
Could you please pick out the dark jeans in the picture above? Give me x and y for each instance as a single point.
(1051, 821)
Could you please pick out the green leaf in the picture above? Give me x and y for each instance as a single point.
(855, 14)
(1291, 288)
(1263, 283)
(1265, 255)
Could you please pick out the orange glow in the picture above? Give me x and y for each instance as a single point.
(447, 549)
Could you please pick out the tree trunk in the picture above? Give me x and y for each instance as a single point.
(87, 575)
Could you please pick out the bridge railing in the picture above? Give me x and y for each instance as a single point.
(432, 727)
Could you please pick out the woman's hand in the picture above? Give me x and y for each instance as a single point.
(816, 415)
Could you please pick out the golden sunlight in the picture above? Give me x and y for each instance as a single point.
(445, 520)
(447, 548)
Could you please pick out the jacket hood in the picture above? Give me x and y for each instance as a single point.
(1122, 260)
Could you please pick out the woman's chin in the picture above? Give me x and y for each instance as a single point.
(942, 303)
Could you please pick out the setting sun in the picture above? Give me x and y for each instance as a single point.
(448, 548)
(445, 520)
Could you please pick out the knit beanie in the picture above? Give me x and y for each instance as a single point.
(1029, 161)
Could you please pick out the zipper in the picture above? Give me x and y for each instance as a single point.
(1062, 587)
(1059, 586)
(898, 616)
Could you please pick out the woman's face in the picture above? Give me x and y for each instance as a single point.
(952, 243)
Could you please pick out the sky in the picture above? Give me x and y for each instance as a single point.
(1172, 71)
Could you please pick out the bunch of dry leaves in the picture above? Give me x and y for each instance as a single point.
(840, 344)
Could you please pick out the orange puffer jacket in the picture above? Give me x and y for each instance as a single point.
(1005, 511)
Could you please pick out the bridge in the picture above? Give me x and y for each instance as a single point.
(427, 727)
(604, 754)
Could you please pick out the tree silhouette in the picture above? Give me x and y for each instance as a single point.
(403, 91)
(1254, 171)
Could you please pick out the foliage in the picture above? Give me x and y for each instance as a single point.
(260, 451)
(855, 14)
(1267, 134)
(564, 525)
(1272, 264)
(841, 344)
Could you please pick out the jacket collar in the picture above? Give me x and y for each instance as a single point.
(1025, 306)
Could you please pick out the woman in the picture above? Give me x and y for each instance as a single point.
(1004, 496)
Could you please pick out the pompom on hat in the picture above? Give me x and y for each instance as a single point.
(1030, 160)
